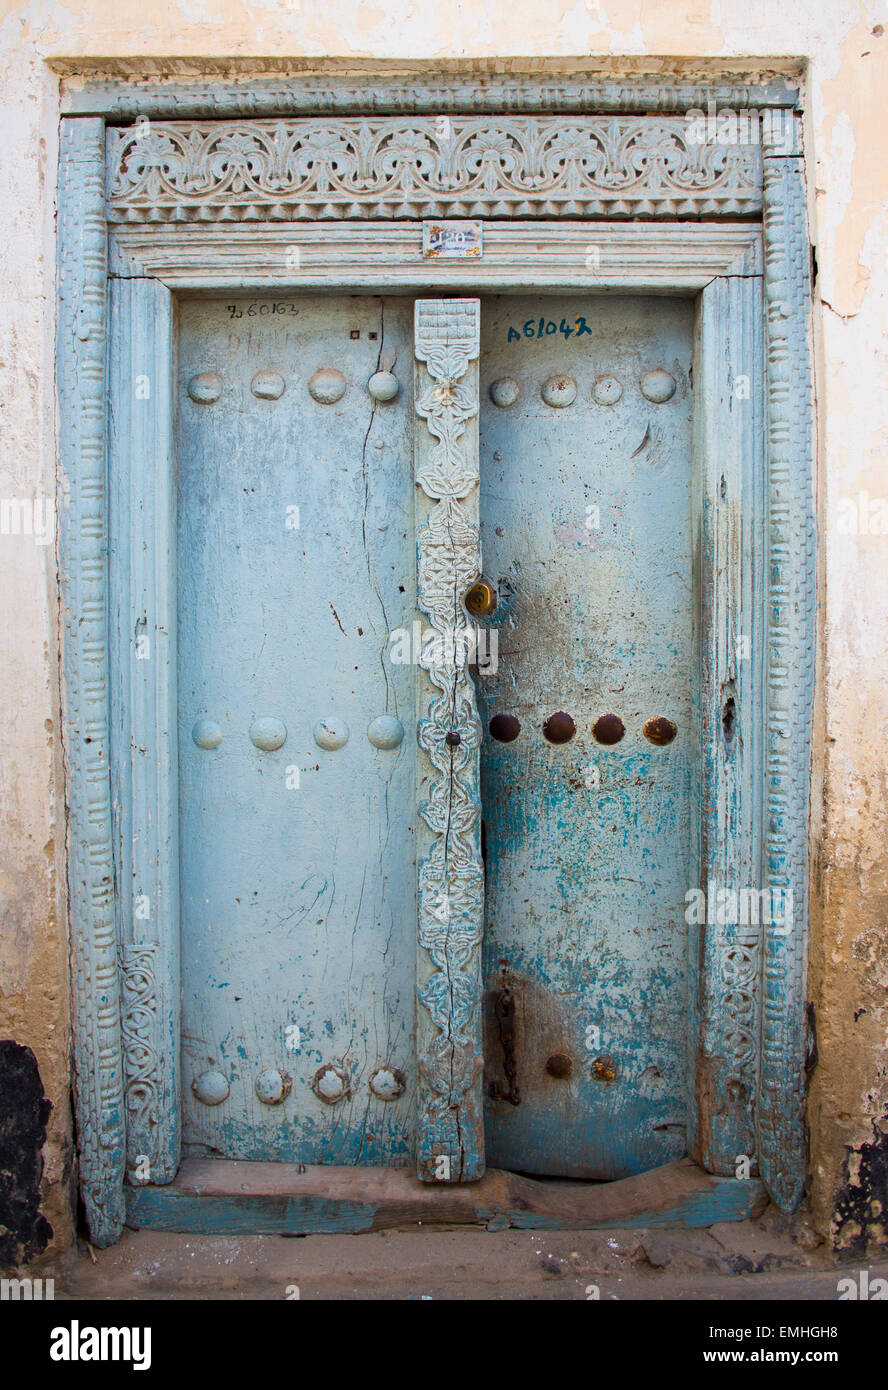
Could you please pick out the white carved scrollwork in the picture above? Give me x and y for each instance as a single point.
(484, 166)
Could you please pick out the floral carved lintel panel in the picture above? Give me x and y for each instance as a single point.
(449, 166)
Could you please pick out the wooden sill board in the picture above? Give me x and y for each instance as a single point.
(233, 1197)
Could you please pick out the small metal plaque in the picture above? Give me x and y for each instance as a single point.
(449, 241)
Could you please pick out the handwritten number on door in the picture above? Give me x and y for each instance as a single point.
(542, 328)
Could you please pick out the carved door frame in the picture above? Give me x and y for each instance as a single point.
(193, 204)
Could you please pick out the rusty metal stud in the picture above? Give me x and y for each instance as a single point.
(273, 1086)
(388, 1083)
(505, 727)
(608, 728)
(659, 729)
(481, 599)
(452, 738)
(559, 727)
(559, 391)
(604, 1069)
(559, 1065)
(330, 1084)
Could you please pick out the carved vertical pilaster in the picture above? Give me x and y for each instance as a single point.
(83, 544)
(450, 1146)
(790, 673)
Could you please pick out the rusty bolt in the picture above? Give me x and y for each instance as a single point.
(505, 727)
(481, 599)
(559, 727)
(659, 729)
(559, 1064)
(452, 738)
(608, 728)
(604, 1069)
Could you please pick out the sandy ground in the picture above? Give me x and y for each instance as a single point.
(771, 1258)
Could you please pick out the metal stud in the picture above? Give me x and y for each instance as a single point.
(383, 386)
(452, 738)
(481, 599)
(327, 386)
(559, 391)
(660, 730)
(505, 728)
(559, 727)
(206, 734)
(504, 392)
(268, 734)
(559, 1065)
(608, 728)
(330, 1084)
(388, 1083)
(268, 386)
(205, 388)
(657, 386)
(331, 733)
(604, 1069)
(272, 1086)
(386, 731)
(606, 390)
(211, 1087)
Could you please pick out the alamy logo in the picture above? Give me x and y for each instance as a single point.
(22, 516)
(27, 1290)
(76, 1343)
(863, 1287)
(452, 647)
(741, 907)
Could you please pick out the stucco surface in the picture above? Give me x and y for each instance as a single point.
(843, 49)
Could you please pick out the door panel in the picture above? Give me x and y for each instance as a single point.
(298, 874)
(586, 530)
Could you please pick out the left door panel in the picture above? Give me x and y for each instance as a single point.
(295, 564)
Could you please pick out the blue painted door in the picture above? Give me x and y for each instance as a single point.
(296, 562)
(590, 730)
(298, 794)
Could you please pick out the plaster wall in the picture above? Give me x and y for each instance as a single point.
(843, 49)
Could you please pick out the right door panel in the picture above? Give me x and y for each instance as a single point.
(586, 509)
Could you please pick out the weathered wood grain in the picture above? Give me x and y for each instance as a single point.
(219, 1197)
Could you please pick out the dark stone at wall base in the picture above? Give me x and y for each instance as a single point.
(24, 1111)
(863, 1203)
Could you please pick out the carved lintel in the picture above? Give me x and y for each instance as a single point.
(453, 166)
